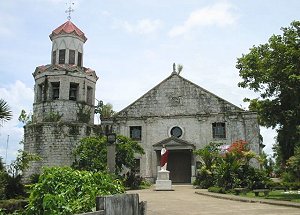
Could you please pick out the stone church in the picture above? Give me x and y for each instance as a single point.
(176, 112)
(184, 117)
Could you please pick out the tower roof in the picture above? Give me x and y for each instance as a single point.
(68, 28)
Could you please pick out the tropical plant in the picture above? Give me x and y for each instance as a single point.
(230, 169)
(5, 112)
(63, 190)
(208, 157)
(272, 69)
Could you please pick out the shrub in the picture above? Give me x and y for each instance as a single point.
(216, 189)
(204, 178)
(12, 205)
(63, 190)
(132, 181)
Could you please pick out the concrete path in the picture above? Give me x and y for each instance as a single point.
(184, 201)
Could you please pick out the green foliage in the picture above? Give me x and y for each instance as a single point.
(25, 118)
(91, 153)
(21, 163)
(216, 190)
(133, 181)
(105, 110)
(84, 113)
(293, 164)
(63, 190)
(230, 169)
(53, 116)
(14, 206)
(126, 149)
(208, 157)
(3, 184)
(11, 185)
(5, 112)
(272, 69)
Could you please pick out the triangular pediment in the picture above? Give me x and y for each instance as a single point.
(177, 96)
(173, 143)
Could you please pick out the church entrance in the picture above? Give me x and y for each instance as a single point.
(179, 165)
(180, 160)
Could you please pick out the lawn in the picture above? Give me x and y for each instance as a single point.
(293, 196)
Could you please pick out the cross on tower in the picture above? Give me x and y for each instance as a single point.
(69, 10)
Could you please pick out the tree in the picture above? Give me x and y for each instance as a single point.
(273, 71)
(90, 154)
(5, 112)
(294, 164)
(105, 110)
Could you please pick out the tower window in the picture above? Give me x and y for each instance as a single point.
(79, 59)
(55, 90)
(73, 94)
(40, 92)
(62, 56)
(136, 132)
(71, 56)
(219, 130)
(54, 57)
(89, 98)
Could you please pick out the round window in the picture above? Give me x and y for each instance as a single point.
(176, 132)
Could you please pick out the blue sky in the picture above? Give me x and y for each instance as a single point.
(132, 45)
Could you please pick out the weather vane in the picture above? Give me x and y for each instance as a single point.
(69, 10)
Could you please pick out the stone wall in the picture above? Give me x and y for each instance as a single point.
(54, 143)
(67, 111)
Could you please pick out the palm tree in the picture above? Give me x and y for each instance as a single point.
(5, 112)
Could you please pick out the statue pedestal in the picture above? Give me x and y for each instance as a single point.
(163, 182)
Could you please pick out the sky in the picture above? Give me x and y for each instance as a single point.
(132, 45)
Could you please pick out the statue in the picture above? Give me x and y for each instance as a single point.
(174, 67)
(164, 158)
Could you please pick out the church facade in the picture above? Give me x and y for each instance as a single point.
(184, 117)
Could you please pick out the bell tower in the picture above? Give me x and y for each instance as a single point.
(64, 99)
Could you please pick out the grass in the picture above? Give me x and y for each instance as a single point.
(277, 195)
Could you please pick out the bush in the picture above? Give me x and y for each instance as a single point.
(3, 184)
(63, 190)
(204, 178)
(12, 205)
(132, 181)
(216, 190)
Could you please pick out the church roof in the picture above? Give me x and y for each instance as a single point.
(68, 28)
(177, 96)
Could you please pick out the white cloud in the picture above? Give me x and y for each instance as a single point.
(143, 26)
(6, 22)
(18, 96)
(219, 14)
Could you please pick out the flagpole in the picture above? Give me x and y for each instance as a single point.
(6, 149)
